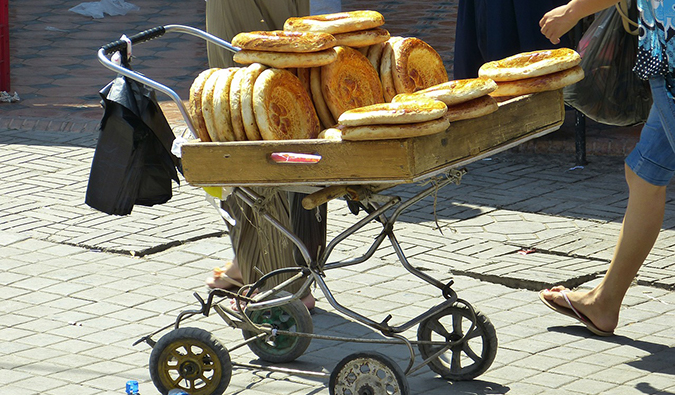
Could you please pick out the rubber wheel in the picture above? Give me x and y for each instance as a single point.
(368, 373)
(467, 359)
(290, 317)
(192, 360)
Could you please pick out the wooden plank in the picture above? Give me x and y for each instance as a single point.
(384, 161)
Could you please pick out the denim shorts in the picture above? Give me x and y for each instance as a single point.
(653, 158)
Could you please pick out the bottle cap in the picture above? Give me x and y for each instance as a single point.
(132, 387)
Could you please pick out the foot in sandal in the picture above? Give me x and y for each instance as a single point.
(228, 277)
(581, 306)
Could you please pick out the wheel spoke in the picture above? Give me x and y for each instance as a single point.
(439, 328)
(456, 360)
(470, 353)
(457, 319)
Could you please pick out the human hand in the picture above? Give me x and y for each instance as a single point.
(557, 22)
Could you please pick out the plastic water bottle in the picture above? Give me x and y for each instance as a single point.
(132, 387)
(177, 391)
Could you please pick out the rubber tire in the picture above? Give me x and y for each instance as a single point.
(298, 320)
(483, 328)
(352, 361)
(177, 339)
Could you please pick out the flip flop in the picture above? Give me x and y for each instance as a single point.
(219, 274)
(573, 313)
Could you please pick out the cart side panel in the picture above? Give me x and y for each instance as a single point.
(516, 121)
(249, 163)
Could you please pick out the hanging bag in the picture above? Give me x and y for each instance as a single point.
(611, 93)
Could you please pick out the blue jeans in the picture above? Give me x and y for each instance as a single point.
(653, 158)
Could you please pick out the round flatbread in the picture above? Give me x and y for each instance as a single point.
(283, 110)
(401, 131)
(350, 82)
(247, 116)
(362, 38)
(285, 60)
(208, 93)
(284, 41)
(221, 107)
(235, 105)
(416, 66)
(549, 82)
(195, 104)
(386, 67)
(375, 54)
(454, 92)
(340, 22)
(322, 110)
(330, 134)
(303, 74)
(412, 111)
(530, 64)
(473, 109)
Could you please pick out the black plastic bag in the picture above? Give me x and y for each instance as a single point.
(610, 93)
(133, 163)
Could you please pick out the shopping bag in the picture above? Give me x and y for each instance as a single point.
(610, 93)
(132, 163)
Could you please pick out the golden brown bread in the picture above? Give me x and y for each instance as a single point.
(454, 92)
(362, 38)
(283, 110)
(472, 109)
(416, 65)
(530, 64)
(285, 60)
(349, 82)
(195, 104)
(222, 118)
(284, 41)
(235, 105)
(247, 116)
(340, 22)
(208, 100)
(386, 69)
(374, 54)
(398, 131)
(420, 109)
(549, 82)
(322, 110)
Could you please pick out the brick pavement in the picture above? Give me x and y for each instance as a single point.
(79, 286)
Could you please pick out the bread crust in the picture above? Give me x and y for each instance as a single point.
(362, 38)
(340, 22)
(247, 115)
(282, 108)
(386, 73)
(235, 105)
(322, 110)
(472, 109)
(454, 92)
(285, 60)
(284, 41)
(221, 107)
(530, 64)
(208, 94)
(549, 82)
(195, 104)
(350, 82)
(416, 66)
(398, 131)
(421, 109)
(374, 55)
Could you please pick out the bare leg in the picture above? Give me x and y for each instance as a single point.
(640, 228)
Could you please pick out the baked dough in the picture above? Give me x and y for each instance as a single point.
(208, 94)
(400, 131)
(362, 38)
(195, 104)
(530, 64)
(416, 65)
(375, 55)
(235, 105)
(303, 74)
(330, 134)
(454, 92)
(283, 110)
(549, 82)
(221, 107)
(413, 111)
(247, 116)
(322, 110)
(340, 22)
(386, 73)
(285, 60)
(284, 41)
(350, 82)
(473, 109)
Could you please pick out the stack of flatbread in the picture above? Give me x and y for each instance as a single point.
(466, 99)
(282, 49)
(251, 103)
(532, 72)
(356, 29)
(406, 65)
(418, 116)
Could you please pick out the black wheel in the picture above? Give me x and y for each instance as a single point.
(290, 317)
(467, 359)
(368, 373)
(190, 359)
